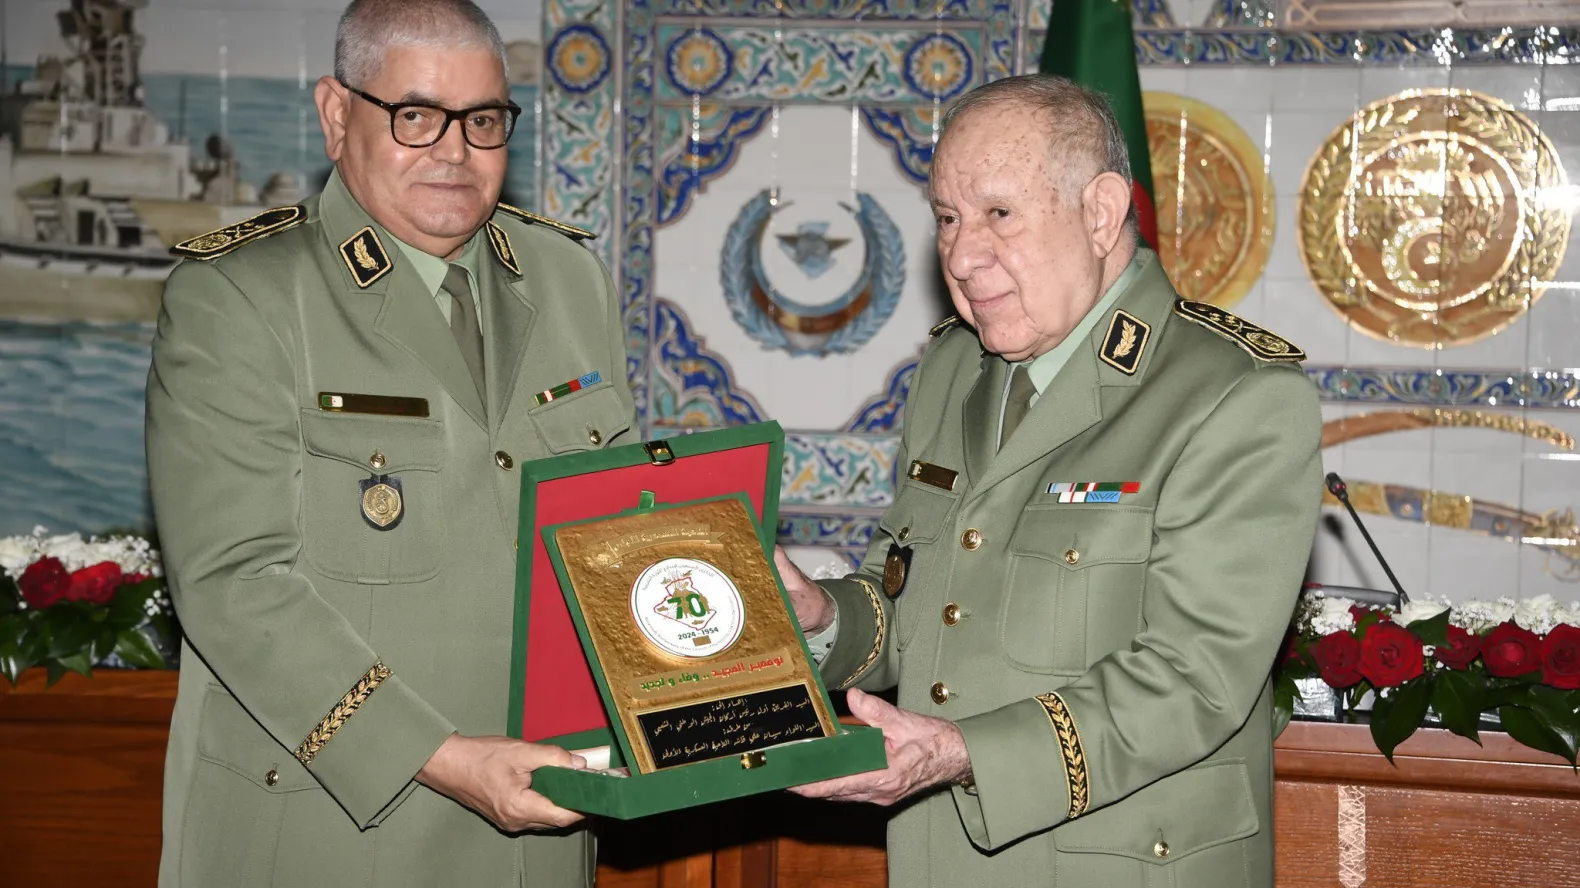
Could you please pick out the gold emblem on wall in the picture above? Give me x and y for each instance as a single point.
(1433, 217)
(1215, 207)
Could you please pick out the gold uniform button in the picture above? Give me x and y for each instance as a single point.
(376, 460)
(503, 460)
(1072, 557)
(951, 614)
(1161, 849)
(272, 778)
(595, 437)
(971, 539)
(940, 693)
(905, 532)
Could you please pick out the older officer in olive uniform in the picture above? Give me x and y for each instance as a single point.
(340, 395)
(1108, 497)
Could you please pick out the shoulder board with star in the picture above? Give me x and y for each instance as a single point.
(223, 240)
(1258, 342)
(569, 231)
(944, 326)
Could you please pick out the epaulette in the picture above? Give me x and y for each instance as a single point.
(1258, 342)
(222, 240)
(944, 326)
(570, 231)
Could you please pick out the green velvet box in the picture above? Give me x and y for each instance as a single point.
(560, 693)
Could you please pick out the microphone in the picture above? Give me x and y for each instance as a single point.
(1341, 492)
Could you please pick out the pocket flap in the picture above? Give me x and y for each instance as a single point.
(1100, 534)
(407, 444)
(918, 514)
(229, 737)
(582, 420)
(1195, 809)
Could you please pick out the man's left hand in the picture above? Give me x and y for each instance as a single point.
(923, 752)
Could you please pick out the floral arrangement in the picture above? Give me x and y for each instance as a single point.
(1519, 660)
(68, 604)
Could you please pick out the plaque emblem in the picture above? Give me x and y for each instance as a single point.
(1433, 217)
(1215, 204)
(895, 567)
(687, 607)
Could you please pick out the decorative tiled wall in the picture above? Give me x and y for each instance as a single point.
(732, 117)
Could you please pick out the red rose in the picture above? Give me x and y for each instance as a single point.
(95, 584)
(1510, 651)
(1561, 657)
(1291, 648)
(1337, 656)
(1462, 648)
(1390, 655)
(44, 582)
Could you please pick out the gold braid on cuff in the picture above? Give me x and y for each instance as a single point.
(877, 633)
(1070, 750)
(347, 707)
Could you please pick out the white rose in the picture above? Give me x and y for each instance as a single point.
(1334, 616)
(16, 553)
(1569, 616)
(1503, 610)
(1536, 614)
(1419, 609)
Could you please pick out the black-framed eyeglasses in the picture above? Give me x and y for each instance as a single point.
(417, 126)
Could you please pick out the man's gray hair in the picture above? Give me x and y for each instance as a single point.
(1083, 134)
(370, 27)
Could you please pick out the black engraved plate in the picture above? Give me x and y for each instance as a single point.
(729, 725)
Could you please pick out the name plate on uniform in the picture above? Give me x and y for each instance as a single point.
(697, 651)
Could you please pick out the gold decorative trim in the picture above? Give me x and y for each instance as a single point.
(347, 707)
(500, 241)
(222, 240)
(534, 219)
(1071, 750)
(1258, 342)
(944, 326)
(1348, 428)
(365, 257)
(877, 633)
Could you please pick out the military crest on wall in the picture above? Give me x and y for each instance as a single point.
(823, 281)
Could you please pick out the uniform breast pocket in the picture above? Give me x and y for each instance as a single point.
(584, 420)
(1074, 586)
(339, 539)
(916, 521)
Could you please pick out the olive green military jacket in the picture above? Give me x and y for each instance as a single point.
(326, 659)
(1106, 661)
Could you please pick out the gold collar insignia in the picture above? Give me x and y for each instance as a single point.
(365, 256)
(1126, 340)
(500, 241)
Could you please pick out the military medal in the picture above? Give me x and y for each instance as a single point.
(382, 507)
(895, 567)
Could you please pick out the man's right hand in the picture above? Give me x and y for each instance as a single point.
(814, 609)
(493, 776)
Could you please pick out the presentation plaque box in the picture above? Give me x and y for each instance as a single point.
(653, 635)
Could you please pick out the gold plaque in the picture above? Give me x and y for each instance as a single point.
(697, 648)
(1433, 217)
(1214, 203)
(381, 505)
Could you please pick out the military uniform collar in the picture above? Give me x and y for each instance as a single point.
(1125, 338)
(369, 253)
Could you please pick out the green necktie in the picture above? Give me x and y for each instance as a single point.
(1018, 402)
(464, 326)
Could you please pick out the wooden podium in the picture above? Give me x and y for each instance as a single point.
(81, 766)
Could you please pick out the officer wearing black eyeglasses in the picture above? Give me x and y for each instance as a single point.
(341, 396)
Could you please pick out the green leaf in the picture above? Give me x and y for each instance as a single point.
(1530, 728)
(135, 648)
(1433, 630)
(70, 632)
(127, 607)
(53, 672)
(1396, 717)
(1458, 701)
(1501, 692)
(78, 663)
(103, 643)
(1285, 693)
(10, 595)
(1552, 705)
